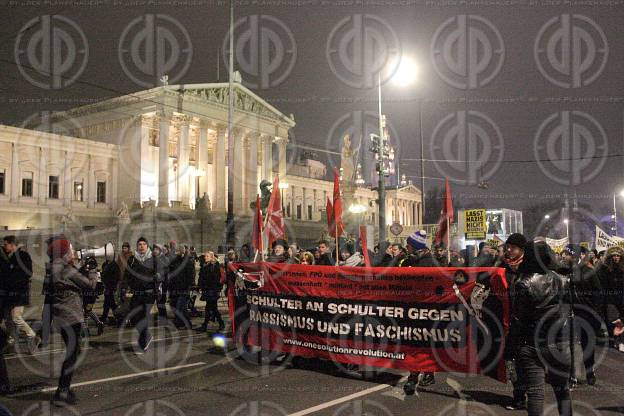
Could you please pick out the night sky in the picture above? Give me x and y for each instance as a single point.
(479, 81)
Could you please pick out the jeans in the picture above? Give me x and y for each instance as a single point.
(532, 364)
(15, 322)
(180, 304)
(141, 312)
(71, 338)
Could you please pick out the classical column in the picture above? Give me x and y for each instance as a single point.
(281, 155)
(90, 179)
(251, 174)
(202, 158)
(293, 207)
(314, 208)
(67, 183)
(267, 158)
(184, 174)
(220, 169)
(113, 201)
(43, 177)
(163, 159)
(15, 174)
(238, 188)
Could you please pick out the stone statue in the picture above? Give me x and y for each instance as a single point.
(123, 213)
(346, 160)
(202, 205)
(68, 218)
(265, 196)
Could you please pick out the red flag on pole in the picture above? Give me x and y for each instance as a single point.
(446, 216)
(256, 234)
(364, 245)
(339, 226)
(275, 217)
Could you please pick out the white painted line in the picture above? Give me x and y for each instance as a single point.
(340, 400)
(117, 378)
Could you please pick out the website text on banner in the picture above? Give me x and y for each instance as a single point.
(416, 319)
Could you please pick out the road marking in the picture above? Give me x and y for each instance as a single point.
(117, 378)
(340, 400)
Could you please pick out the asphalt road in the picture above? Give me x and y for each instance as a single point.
(185, 373)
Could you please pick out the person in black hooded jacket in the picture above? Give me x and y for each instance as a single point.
(210, 286)
(539, 333)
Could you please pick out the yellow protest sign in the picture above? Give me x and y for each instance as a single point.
(475, 224)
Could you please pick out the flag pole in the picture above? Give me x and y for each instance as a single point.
(448, 240)
(337, 243)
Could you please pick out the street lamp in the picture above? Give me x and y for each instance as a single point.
(404, 75)
(567, 224)
(547, 216)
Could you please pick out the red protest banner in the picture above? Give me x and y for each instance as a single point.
(416, 319)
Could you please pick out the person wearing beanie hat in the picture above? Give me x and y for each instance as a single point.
(586, 297)
(65, 288)
(418, 240)
(142, 277)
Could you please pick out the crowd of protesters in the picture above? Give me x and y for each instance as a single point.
(544, 287)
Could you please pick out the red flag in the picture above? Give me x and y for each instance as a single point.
(256, 233)
(275, 217)
(364, 245)
(329, 207)
(338, 225)
(446, 216)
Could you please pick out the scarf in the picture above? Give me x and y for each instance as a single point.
(143, 257)
(514, 263)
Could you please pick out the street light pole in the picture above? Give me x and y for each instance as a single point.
(229, 224)
(615, 226)
(422, 160)
(381, 169)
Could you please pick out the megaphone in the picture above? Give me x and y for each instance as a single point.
(106, 250)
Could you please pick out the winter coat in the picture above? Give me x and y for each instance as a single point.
(141, 276)
(210, 279)
(611, 278)
(111, 277)
(15, 274)
(181, 275)
(67, 285)
(325, 260)
(538, 317)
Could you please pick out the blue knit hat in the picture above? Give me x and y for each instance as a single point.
(418, 240)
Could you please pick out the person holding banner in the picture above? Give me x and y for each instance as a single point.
(279, 252)
(350, 257)
(325, 257)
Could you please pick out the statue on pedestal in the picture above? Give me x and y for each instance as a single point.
(265, 196)
(346, 160)
(123, 214)
(202, 205)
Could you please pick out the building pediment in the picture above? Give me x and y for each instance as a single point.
(244, 99)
